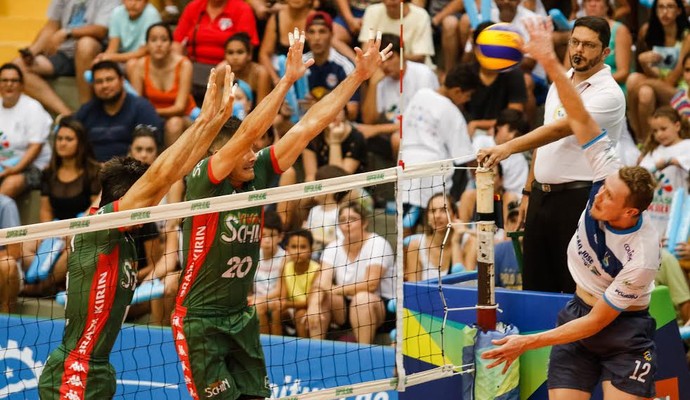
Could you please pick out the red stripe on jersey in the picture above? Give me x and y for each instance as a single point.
(211, 177)
(203, 232)
(274, 161)
(103, 289)
(182, 348)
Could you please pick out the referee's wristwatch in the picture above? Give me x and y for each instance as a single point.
(525, 192)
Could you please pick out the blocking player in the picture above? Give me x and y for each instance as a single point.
(217, 333)
(605, 332)
(101, 267)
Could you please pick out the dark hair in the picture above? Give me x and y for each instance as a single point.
(303, 233)
(685, 58)
(670, 113)
(641, 184)
(84, 157)
(107, 65)
(515, 120)
(655, 35)
(480, 28)
(357, 207)
(10, 66)
(596, 24)
(117, 176)
(462, 76)
(226, 133)
(389, 38)
(272, 221)
(242, 37)
(449, 202)
(161, 25)
(148, 131)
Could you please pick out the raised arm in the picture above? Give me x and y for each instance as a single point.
(261, 118)
(290, 146)
(180, 158)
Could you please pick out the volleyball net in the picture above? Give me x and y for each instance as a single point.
(328, 291)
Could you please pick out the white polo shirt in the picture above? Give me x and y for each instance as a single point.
(563, 160)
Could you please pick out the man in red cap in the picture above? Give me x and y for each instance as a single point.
(330, 67)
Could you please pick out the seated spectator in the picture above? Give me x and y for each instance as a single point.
(69, 187)
(495, 92)
(381, 107)
(203, 29)
(428, 255)
(274, 42)
(340, 144)
(662, 43)
(681, 101)
(11, 274)
(127, 30)
(666, 153)
(238, 54)
(330, 67)
(165, 79)
(621, 42)
(671, 275)
(510, 124)
(360, 267)
(244, 100)
(445, 18)
(299, 296)
(144, 147)
(348, 24)
(110, 118)
(66, 46)
(267, 281)
(24, 128)
(507, 270)
(385, 17)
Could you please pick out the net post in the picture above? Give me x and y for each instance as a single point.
(486, 226)
(399, 314)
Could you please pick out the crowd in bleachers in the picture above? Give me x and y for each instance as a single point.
(140, 76)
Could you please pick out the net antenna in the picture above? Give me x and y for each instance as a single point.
(486, 227)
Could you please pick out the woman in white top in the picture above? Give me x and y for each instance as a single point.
(357, 274)
(424, 259)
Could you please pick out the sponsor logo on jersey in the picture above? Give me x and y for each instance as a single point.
(629, 251)
(631, 296)
(197, 251)
(217, 388)
(587, 258)
(242, 228)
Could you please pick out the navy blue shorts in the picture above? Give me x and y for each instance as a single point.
(623, 353)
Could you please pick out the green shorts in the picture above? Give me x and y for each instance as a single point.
(221, 356)
(61, 379)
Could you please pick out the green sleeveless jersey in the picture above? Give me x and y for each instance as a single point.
(221, 250)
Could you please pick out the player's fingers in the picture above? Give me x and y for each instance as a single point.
(507, 366)
(495, 363)
(500, 341)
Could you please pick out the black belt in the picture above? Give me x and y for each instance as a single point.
(559, 187)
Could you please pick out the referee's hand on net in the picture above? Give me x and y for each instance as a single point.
(489, 157)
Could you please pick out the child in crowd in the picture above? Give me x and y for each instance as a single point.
(267, 287)
(238, 54)
(127, 31)
(299, 283)
(666, 153)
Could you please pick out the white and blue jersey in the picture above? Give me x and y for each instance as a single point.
(616, 265)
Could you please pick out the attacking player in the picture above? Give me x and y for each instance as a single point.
(605, 332)
(216, 332)
(101, 267)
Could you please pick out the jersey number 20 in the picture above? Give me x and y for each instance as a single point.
(238, 267)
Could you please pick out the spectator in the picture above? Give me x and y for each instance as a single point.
(495, 92)
(507, 270)
(671, 275)
(267, 281)
(360, 267)
(128, 30)
(24, 128)
(445, 21)
(66, 46)
(340, 144)
(11, 274)
(203, 29)
(663, 41)
(511, 124)
(111, 117)
(381, 107)
(293, 15)
(435, 129)
(165, 79)
(621, 43)
(666, 153)
(429, 255)
(69, 187)
(385, 17)
(348, 24)
(238, 54)
(299, 295)
(144, 147)
(681, 101)
(330, 67)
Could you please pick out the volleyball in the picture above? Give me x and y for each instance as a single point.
(498, 47)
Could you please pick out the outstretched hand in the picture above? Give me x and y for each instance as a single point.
(510, 349)
(214, 105)
(366, 63)
(295, 66)
(540, 44)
